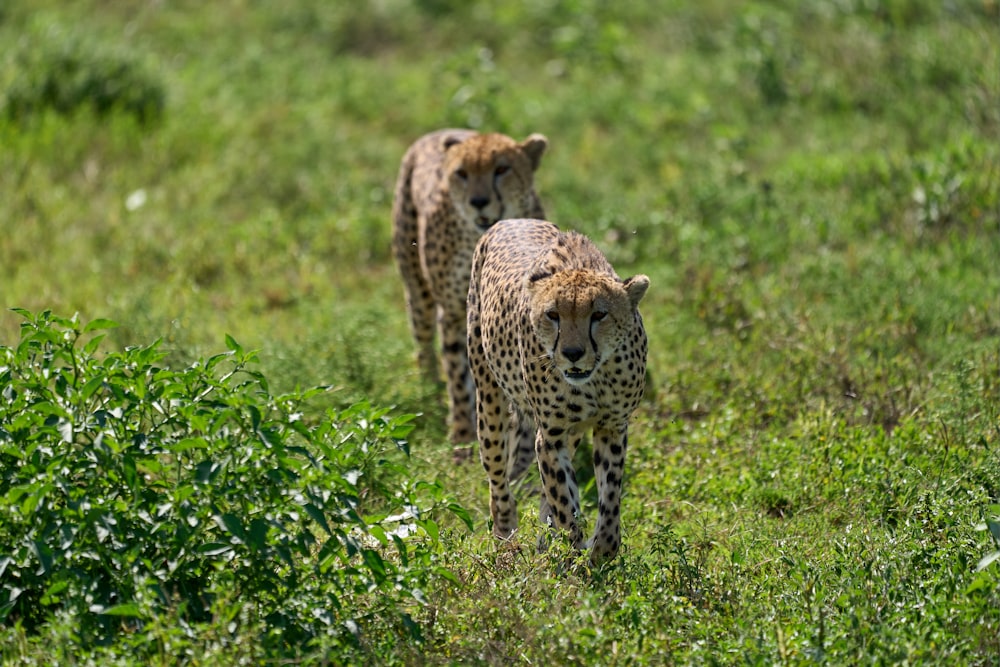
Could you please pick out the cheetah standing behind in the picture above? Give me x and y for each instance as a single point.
(453, 185)
(557, 347)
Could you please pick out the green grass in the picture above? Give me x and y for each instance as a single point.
(812, 187)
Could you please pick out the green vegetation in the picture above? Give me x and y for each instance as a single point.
(812, 187)
(136, 494)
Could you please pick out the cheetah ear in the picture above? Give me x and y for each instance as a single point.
(636, 287)
(450, 141)
(534, 146)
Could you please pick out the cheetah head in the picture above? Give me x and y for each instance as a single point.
(491, 176)
(581, 317)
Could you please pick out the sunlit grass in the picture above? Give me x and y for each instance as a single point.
(813, 189)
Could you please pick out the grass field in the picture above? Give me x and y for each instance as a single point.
(812, 187)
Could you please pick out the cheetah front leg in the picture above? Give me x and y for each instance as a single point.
(492, 409)
(419, 303)
(560, 504)
(520, 443)
(609, 467)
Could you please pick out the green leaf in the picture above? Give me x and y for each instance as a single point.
(144, 356)
(234, 346)
(130, 609)
(983, 582)
(317, 515)
(206, 471)
(130, 473)
(188, 444)
(13, 594)
(402, 426)
(93, 344)
(404, 553)
(254, 417)
(461, 513)
(285, 554)
(50, 595)
(48, 408)
(231, 524)
(448, 575)
(91, 386)
(183, 492)
(34, 498)
(100, 323)
(214, 548)
(213, 361)
(44, 555)
(987, 560)
(257, 535)
(374, 563)
(431, 528)
(994, 526)
(378, 533)
(313, 392)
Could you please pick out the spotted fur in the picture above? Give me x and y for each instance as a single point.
(557, 348)
(453, 185)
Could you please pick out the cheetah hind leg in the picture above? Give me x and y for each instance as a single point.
(420, 306)
(461, 387)
(520, 455)
(520, 443)
(462, 453)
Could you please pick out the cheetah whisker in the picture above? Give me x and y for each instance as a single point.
(546, 362)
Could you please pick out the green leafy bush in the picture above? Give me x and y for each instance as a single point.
(65, 73)
(131, 490)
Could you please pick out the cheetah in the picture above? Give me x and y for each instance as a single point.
(453, 185)
(557, 347)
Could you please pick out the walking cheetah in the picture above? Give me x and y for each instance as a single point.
(557, 347)
(453, 185)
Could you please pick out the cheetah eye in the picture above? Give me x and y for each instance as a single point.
(501, 170)
(598, 315)
(462, 174)
(553, 316)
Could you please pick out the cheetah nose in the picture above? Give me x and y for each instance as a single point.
(574, 354)
(479, 202)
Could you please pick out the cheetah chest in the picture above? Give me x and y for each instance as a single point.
(528, 378)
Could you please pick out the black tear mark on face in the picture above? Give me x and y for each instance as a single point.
(540, 275)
